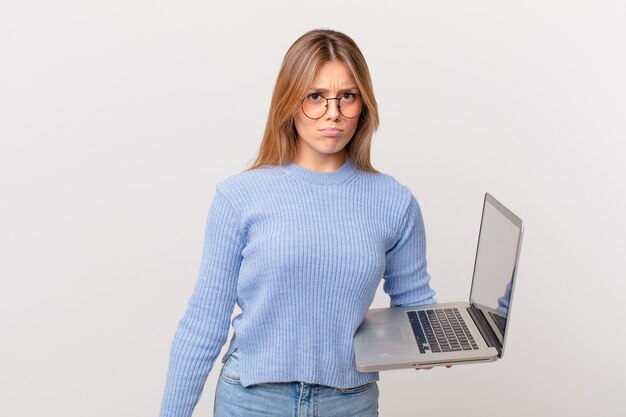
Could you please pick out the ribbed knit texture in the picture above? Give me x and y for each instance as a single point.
(302, 253)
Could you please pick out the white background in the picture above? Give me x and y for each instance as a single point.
(118, 118)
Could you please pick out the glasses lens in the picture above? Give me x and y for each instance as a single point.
(314, 106)
(350, 105)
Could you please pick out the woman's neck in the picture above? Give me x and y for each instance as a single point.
(322, 163)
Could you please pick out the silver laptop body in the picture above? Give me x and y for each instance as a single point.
(452, 333)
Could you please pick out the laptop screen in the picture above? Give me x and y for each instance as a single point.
(496, 263)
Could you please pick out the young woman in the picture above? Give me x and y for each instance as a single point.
(300, 242)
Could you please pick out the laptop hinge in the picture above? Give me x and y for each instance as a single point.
(485, 329)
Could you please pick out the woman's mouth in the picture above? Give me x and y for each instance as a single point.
(331, 131)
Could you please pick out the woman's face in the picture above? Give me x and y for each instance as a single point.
(326, 138)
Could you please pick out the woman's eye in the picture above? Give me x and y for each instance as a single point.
(347, 96)
(314, 97)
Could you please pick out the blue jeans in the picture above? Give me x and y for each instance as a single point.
(291, 399)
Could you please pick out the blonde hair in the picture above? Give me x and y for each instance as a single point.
(301, 61)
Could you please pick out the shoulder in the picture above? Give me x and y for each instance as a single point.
(241, 187)
(386, 187)
(385, 180)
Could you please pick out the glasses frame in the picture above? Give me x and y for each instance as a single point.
(327, 104)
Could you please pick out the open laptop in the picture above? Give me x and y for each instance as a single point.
(452, 333)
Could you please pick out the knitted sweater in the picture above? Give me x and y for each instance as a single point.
(302, 254)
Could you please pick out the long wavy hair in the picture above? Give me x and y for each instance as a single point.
(296, 73)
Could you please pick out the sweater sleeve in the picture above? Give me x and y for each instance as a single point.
(203, 330)
(406, 277)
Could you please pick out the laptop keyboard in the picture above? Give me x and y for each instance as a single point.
(499, 320)
(441, 330)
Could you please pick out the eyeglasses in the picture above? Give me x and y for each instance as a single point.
(315, 105)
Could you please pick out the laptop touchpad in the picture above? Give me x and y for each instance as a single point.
(377, 334)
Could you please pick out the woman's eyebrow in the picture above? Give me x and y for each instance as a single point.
(326, 90)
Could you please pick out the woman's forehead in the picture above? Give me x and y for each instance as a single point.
(333, 75)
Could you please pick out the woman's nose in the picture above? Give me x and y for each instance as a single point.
(333, 111)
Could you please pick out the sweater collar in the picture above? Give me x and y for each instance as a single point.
(347, 171)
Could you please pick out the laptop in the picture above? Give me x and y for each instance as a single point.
(452, 333)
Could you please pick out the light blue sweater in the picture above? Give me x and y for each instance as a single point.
(302, 253)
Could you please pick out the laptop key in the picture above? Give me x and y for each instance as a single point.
(417, 331)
